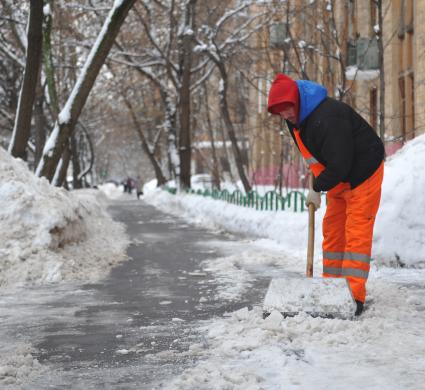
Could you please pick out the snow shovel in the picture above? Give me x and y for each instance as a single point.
(316, 296)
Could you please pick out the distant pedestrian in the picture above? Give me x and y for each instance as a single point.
(130, 185)
(139, 187)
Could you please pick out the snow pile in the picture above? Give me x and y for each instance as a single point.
(18, 365)
(400, 225)
(354, 73)
(246, 352)
(285, 227)
(243, 351)
(49, 234)
(111, 190)
(35, 212)
(231, 273)
(399, 238)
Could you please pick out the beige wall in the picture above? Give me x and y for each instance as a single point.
(397, 64)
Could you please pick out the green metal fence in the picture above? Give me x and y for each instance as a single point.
(271, 200)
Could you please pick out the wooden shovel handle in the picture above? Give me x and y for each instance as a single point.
(310, 244)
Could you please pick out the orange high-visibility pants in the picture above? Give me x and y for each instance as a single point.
(348, 230)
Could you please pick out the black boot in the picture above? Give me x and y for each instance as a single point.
(359, 309)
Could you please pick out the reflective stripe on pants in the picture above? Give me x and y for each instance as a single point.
(348, 230)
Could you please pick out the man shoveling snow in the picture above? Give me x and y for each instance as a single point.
(346, 157)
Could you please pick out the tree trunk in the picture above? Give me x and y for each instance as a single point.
(185, 147)
(226, 153)
(22, 128)
(40, 124)
(75, 159)
(170, 125)
(215, 170)
(230, 129)
(59, 178)
(48, 62)
(69, 115)
(87, 169)
(150, 153)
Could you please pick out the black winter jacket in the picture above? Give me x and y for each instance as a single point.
(343, 142)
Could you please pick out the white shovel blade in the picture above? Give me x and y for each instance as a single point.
(323, 297)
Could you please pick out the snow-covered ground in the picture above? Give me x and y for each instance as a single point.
(48, 235)
(399, 238)
(382, 349)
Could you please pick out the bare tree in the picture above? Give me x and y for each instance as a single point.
(48, 66)
(12, 66)
(170, 62)
(40, 122)
(215, 168)
(22, 128)
(68, 117)
(379, 36)
(150, 151)
(186, 44)
(220, 49)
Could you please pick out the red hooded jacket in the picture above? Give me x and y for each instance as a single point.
(283, 90)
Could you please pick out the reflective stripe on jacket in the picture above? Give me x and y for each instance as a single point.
(315, 166)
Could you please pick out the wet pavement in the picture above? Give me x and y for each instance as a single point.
(134, 329)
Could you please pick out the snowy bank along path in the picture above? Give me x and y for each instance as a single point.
(48, 235)
(382, 349)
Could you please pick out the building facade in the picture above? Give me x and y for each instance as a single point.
(337, 43)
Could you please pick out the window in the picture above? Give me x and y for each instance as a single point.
(401, 20)
(412, 83)
(367, 53)
(225, 166)
(352, 25)
(408, 14)
(406, 20)
(351, 53)
(244, 157)
(402, 104)
(278, 35)
(410, 105)
(407, 106)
